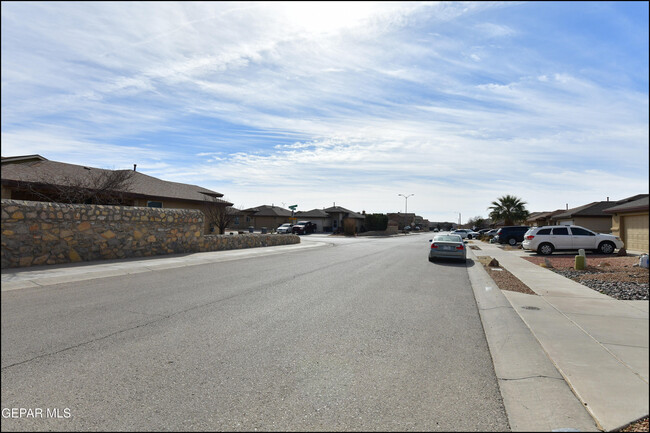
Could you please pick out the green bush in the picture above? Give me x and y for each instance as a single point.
(376, 222)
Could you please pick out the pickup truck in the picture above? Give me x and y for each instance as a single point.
(303, 228)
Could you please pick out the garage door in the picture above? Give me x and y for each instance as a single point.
(635, 232)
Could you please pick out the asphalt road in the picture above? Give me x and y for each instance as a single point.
(362, 334)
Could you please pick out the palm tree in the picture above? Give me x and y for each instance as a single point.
(510, 209)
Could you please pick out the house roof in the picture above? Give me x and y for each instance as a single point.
(339, 209)
(640, 204)
(35, 169)
(266, 210)
(537, 216)
(594, 209)
(314, 213)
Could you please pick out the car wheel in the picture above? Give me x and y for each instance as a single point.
(545, 249)
(469, 236)
(606, 247)
(512, 241)
(431, 259)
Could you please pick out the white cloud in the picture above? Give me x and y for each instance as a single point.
(317, 102)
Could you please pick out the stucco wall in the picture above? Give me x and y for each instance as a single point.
(43, 233)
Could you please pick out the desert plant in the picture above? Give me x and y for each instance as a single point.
(510, 209)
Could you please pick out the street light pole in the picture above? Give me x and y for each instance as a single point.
(406, 198)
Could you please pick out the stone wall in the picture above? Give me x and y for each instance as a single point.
(43, 233)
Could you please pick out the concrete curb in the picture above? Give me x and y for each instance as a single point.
(23, 278)
(535, 394)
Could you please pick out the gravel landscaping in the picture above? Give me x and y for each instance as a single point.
(618, 277)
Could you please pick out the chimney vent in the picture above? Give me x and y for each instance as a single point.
(134, 166)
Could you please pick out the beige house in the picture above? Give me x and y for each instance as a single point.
(540, 219)
(35, 178)
(340, 216)
(262, 217)
(630, 222)
(590, 216)
(318, 216)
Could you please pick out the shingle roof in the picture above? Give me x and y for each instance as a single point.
(339, 209)
(535, 216)
(594, 209)
(266, 210)
(59, 173)
(640, 204)
(314, 213)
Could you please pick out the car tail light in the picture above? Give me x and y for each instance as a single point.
(460, 247)
(530, 237)
(434, 246)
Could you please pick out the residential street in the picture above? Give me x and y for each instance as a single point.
(361, 334)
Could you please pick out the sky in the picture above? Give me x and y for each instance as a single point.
(357, 104)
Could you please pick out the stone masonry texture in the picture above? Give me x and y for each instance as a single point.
(44, 233)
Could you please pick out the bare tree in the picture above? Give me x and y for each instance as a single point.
(98, 187)
(218, 214)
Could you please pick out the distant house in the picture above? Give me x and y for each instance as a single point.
(402, 219)
(630, 222)
(264, 216)
(539, 219)
(35, 178)
(318, 216)
(339, 215)
(591, 216)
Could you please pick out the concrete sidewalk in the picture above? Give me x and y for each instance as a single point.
(597, 343)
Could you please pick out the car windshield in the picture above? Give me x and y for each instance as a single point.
(285, 225)
(447, 238)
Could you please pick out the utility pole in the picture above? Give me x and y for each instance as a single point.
(406, 198)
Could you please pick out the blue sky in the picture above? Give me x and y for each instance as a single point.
(339, 102)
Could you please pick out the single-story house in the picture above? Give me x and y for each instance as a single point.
(590, 216)
(540, 219)
(630, 222)
(318, 216)
(339, 215)
(35, 178)
(263, 217)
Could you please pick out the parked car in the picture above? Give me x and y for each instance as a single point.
(449, 246)
(408, 228)
(465, 233)
(547, 239)
(303, 228)
(284, 228)
(511, 235)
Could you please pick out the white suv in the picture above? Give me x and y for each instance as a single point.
(465, 233)
(547, 239)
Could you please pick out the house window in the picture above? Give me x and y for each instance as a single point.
(237, 220)
(248, 219)
(154, 204)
